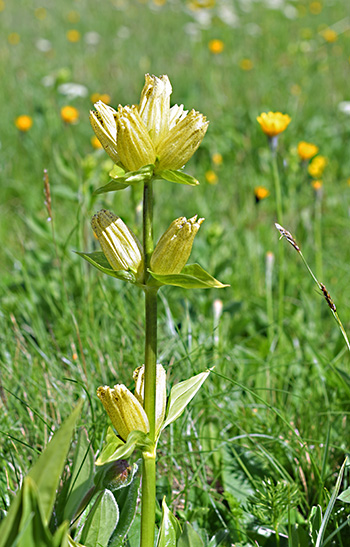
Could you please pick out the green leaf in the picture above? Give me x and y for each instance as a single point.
(181, 394)
(189, 537)
(315, 522)
(101, 521)
(81, 479)
(330, 506)
(179, 177)
(47, 471)
(33, 530)
(191, 277)
(121, 181)
(116, 449)
(99, 261)
(345, 496)
(126, 499)
(169, 530)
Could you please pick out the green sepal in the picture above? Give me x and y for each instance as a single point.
(122, 179)
(116, 449)
(181, 394)
(191, 277)
(99, 261)
(179, 177)
(169, 530)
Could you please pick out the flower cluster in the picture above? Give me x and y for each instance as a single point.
(150, 133)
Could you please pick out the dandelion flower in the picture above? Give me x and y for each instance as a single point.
(217, 158)
(23, 123)
(14, 38)
(69, 114)
(216, 46)
(273, 123)
(315, 8)
(104, 97)
(40, 14)
(95, 142)
(317, 166)
(260, 193)
(73, 36)
(211, 177)
(329, 35)
(307, 150)
(317, 184)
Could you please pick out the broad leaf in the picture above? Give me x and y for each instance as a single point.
(191, 277)
(169, 530)
(181, 394)
(177, 176)
(116, 449)
(101, 521)
(122, 180)
(189, 537)
(99, 261)
(345, 496)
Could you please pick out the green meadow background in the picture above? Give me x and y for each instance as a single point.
(264, 440)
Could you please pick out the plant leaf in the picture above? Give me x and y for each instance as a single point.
(121, 181)
(126, 499)
(181, 394)
(82, 473)
(169, 530)
(99, 261)
(101, 521)
(330, 506)
(191, 277)
(189, 537)
(116, 449)
(345, 496)
(177, 176)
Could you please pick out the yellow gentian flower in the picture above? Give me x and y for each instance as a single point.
(151, 132)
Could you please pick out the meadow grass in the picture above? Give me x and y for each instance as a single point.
(265, 440)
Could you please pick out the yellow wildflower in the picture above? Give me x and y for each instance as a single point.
(40, 13)
(307, 150)
(104, 97)
(260, 193)
(95, 142)
(14, 38)
(329, 35)
(315, 8)
(73, 36)
(23, 123)
(273, 123)
(151, 132)
(211, 177)
(69, 114)
(216, 46)
(217, 158)
(246, 64)
(317, 184)
(317, 166)
(174, 247)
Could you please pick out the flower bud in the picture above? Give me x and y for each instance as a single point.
(186, 133)
(154, 106)
(139, 377)
(174, 247)
(125, 411)
(120, 246)
(134, 146)
(103, 122)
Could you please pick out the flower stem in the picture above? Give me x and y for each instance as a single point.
(148, 497)
(278, 194)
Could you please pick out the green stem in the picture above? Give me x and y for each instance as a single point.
(318, 236)
(148, 497)
(278, 194)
